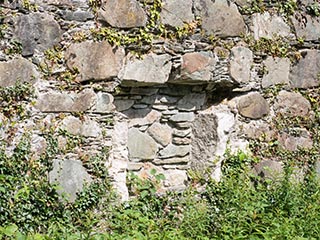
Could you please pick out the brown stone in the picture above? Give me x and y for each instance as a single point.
(253, 106)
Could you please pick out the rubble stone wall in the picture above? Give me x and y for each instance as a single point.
(166, 85)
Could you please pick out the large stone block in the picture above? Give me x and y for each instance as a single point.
(95, 60)
(36, 31)
(305, 73)
(277, 71)
(161, 133)
(203, 141)
(141, 146)
(306, 26)
(152, 69)
(16, 70)
(71, 176)
(241, 60)
(122, 13)
(220, 18)
(176, 13)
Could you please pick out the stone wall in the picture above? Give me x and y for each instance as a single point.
(158, 85)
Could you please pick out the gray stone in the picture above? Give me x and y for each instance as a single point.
(140, 106)
(175, 180)
(36, 31)
(175, 90)
(142, 117)
(90, 128)
(195, 68)
(79, 15)
(152, 69)
(123, 104)
(266, 25)
(63, 102)
(71, 176)
(160, 107)
(175, 160)
(306, 26)
(86, 128)
(301, 139)
(292, 104)
(174, 151)
(317, 168)
(181, 141)
(277, 71)
(220, 18)
(143, 91)
(161, 133)
(192, 101)
(305, 73)
(71, 125)
(104, 103)
(141, 146)
(241, 60)
(253, 105)
(176, 13)
(16, 70)
(181, 133)
(204, 141)
(94, 60)
(122, 13)
(269, 170)
(183, 117)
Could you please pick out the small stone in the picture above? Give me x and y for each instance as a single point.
(175, 180)
(269, 169)
(181, 133)
(192, 101)
(160, 107)
(95, 60)
(123, 104)
(277, 71)
(36, 31)
(104, 103)
(181, 141)
(176, 13)
(143, 91)
(305, 74)
(84, 100)
(174, 151)
(266, 25)
(161, 133)
(292, 104)
(71, 125)
(16, 70)
(90, 128)
(141, 117)
(133, 166)
(170, 112)
(183, 117)
(220, 18)
(70, 175)
(140, 106)
(151, 70)
(253, 106)
(175, 160)
(241, 60)
(182, 125)
(122, 13)
(54, 102)
(141, 145)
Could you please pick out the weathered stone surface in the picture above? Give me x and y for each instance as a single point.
(174, 151)
(305, 73)
(259, 130)
(301, 139)
(122, 13)
(292, 104)
(38, 144)
(104, 103)
(141, 146)
(253, 105)
(181, 141)
(95, 60)
(183, 117)
(241, 60)
(123, 104)
(153, 69)
(220, 18)
(71, 125)
(63, 102)
(36, 31)
(191, 102)
(266, 25)
(181, 133)
(79, 15)
(143, 91)
(71, 177)
(269, 169)
(195, 68)
(306, 26)
(175, 180)
(176, 13)
(204, 141)
(161, 133)
(277, 71)
(16, 70)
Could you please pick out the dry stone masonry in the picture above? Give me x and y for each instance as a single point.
(166, 85)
